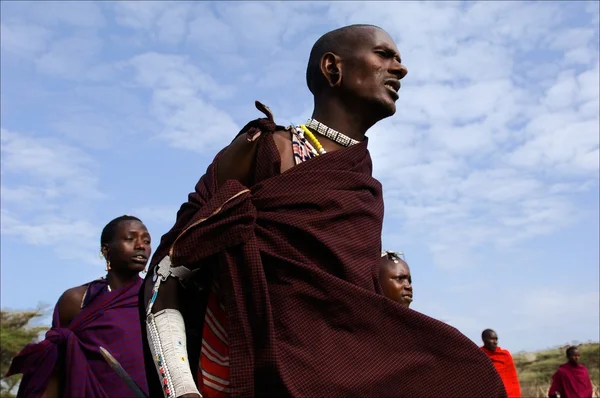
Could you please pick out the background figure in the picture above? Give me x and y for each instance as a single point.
(100, 313)
(572, 379)
(503, 362)
(395, 278)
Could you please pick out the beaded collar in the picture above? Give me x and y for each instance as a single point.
(330, 133)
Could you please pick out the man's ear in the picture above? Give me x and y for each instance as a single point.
(331, 68)
(104, 251)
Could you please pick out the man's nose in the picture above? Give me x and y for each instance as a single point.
(398, 70)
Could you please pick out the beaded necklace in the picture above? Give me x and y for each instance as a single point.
(328, 132)
(311, 137)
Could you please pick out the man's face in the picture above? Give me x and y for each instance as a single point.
(372, 72)
(490, 341)
(574, 357)
(130, 249)
(396, 281)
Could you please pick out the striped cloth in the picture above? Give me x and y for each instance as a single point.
(213, 372)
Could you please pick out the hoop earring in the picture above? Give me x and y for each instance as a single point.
(107, 265)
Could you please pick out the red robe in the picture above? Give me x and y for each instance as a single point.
(504, 364)
(571, 381)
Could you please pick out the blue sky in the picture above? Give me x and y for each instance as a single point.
(490, 166)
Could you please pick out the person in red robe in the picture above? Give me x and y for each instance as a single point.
(268, 285)
(572, 379)
(503, 362)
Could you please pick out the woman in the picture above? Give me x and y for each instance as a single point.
(100, 313)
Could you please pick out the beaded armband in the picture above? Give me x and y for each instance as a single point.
(167, 339)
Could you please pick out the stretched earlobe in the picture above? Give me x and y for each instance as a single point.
(336, 78)
(331, 69)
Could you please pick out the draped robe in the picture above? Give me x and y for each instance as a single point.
(297, 254)
(110, 320)
(571, 381)
(505, 365)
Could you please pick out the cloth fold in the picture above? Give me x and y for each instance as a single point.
(571, 381)
(110, 320)
(297, 255)
(505, 365)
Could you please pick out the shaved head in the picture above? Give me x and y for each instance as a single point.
(490, 339)
(487, 333)
(340, 42)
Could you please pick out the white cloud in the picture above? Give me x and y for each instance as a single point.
(44, 181)
(139, 14)
(70, 238)
(162, 21)
(81, 14)
(70, 58)
(50, 163)
(23, 39)
(180, 101)
(163, 215)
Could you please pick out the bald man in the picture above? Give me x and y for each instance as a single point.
(503, 362)
(395, 278)
(283, 235)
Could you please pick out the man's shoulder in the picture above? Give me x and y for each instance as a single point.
(503, 351)
(73, 295)
(69, 304)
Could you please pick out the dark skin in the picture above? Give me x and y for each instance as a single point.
(396, 281)
(356, 98)
(358, 95)
(574, 357)
(128, 254)
(490, 340)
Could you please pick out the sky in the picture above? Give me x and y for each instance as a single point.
(490, 166)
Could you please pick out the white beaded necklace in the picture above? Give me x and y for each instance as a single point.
(330, 133)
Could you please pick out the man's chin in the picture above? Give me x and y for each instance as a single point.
(136, 268)
(386, 109)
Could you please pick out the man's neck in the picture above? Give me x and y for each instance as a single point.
(335, 116)
(117, 281)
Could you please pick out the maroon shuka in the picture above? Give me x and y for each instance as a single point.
(298, 256)
(571, 381)
(108, 319)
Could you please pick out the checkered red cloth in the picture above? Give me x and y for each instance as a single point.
(298, 257)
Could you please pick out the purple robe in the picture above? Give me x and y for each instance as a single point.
(108, 319)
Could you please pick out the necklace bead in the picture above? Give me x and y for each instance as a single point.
(311, 137)
(330, 133)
